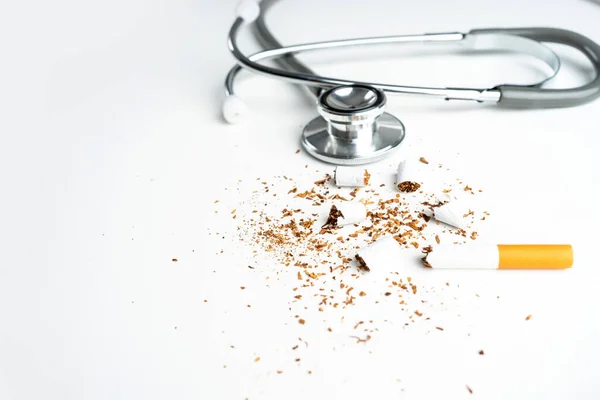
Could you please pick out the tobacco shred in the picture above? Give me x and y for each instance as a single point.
(430, 205)
(367, 177)
(332, 219)
(359, 340)
(361, 263)
(408, 187)
(425, 262)
(323, 181)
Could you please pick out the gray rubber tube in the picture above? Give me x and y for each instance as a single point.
(536, 97)
(268, 41)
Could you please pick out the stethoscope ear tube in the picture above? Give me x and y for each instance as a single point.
(266, 39)
(512, 96)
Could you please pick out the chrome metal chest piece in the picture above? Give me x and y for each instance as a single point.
(353, 128)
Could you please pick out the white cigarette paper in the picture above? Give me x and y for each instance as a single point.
(380, 255)
(409, 176)
(352, 212)
(351, 176)
(464, 257)
(452, 213)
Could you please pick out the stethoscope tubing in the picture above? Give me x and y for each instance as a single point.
(528, 40)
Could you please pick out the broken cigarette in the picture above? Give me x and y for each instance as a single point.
(351, 176)
(377, 254)
(409, 176)
(502, 256)
(453, 213)
(346, 213)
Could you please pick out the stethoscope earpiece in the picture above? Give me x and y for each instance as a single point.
(234, 109)
(248, 10)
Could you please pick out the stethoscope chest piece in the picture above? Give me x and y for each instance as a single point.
(353, 127)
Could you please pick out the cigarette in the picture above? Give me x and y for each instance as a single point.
(502, 256)
(346, 213)
(378, 253)
(351, 176)
(409, 176)
(452, 213)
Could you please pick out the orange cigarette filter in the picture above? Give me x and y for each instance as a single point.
(535, 256)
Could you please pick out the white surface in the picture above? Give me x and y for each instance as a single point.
(113, 152)
(477, 256)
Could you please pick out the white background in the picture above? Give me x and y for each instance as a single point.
(113, 152)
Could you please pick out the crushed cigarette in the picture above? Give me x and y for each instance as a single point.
(377, 221)
(351, 177)
(408, 177)
(453, 213)
(332, 219)
(345, 213)
(379, 253)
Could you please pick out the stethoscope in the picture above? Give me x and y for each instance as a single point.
(353, 127)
